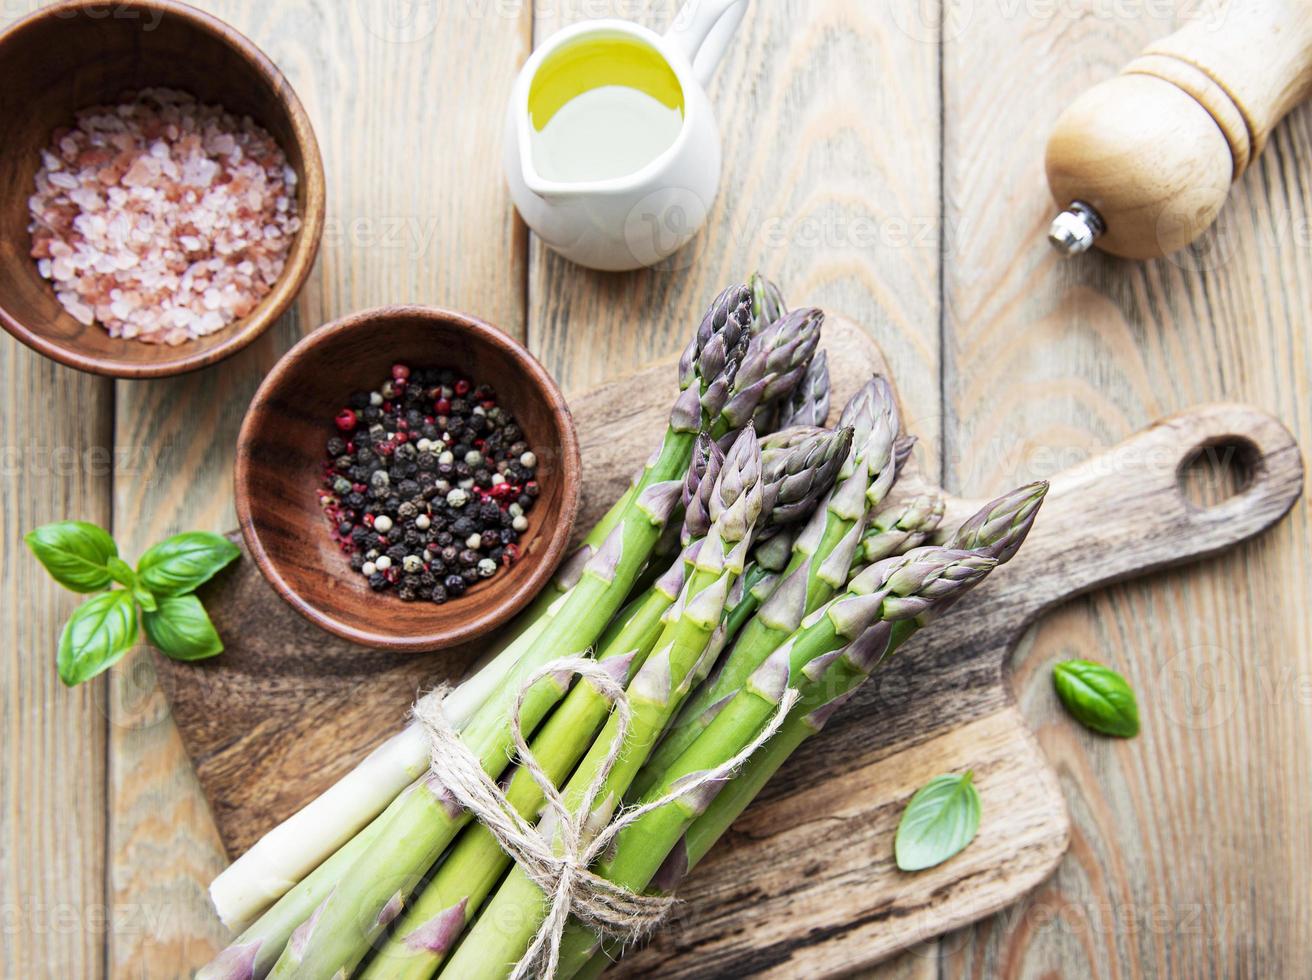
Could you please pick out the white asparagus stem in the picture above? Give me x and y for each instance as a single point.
(290, 851)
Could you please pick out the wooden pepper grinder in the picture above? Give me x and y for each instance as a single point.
(1143, 162)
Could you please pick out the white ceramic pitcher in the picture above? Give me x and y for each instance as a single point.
(643, 217)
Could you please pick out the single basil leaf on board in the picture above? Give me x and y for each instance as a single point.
(185, 562)
(96, 636)
(181, 629)
(941, 819)
(1097, 697)
(75, 553)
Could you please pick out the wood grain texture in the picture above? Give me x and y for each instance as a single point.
(57, 465)
(1174, 867)
(818, 880)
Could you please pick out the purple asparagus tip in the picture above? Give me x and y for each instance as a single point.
(1002, 525)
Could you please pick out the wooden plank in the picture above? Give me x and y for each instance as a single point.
(1172, 870)
(417, 212)
(57, 461)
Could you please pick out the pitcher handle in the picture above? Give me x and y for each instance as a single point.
(703, 30)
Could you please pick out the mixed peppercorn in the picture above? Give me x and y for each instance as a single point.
(429, 484)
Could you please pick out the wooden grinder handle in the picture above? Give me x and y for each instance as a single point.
(1154, 150)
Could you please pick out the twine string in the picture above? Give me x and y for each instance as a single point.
(562, 870)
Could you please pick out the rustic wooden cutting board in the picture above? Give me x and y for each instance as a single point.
(805, 883)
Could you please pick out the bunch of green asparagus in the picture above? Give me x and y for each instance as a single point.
(756, 553)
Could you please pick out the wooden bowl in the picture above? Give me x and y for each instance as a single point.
(281, 452)
(73, 55)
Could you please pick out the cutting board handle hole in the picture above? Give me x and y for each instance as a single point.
(1218, 470)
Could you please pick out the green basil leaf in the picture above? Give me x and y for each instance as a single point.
(96, 636)
(1097, 697)
(185, 562)
(181, 628)
(75, 554)
(941, 819)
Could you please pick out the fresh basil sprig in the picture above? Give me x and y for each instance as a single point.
(1097, 697)
(84, 558)
(941, 819)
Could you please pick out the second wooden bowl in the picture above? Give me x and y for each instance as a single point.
(69, 56)
(281, 452)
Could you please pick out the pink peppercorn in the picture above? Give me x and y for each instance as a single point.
(346, 420)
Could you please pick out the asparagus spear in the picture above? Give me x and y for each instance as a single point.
(916, 594)
(504, 931)
(376, 885)
(822, 558)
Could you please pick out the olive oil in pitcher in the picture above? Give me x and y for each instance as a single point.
(602, 107)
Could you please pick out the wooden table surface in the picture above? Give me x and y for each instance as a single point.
(880, 160)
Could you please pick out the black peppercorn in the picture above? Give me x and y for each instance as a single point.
(470, 575)
(455, 585)
(336, 446)
(378, 581)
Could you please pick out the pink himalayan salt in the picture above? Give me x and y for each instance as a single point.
(162, 219)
